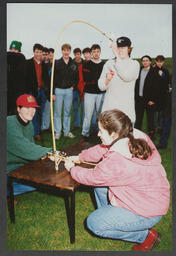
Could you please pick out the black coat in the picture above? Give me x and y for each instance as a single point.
(15, 79)
(31, 78)
(161, 88)
(148, 93)
(15, 72)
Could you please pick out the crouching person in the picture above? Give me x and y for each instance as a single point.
(21, 148)
(131, 188)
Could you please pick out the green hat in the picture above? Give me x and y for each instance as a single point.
(16, 45)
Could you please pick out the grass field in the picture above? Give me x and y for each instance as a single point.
(41, 222)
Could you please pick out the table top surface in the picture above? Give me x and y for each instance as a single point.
(43, 171)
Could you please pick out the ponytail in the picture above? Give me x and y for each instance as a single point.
(116, 121)
(139, 147)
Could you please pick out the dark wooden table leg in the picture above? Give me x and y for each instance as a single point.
(70, 211)
(72, 217)
(11, 200)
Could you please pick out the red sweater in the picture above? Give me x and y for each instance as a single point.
(38, 69)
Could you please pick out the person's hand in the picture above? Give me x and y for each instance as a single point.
(54, 97)
(150, 103)
(114, 48)
(68, 164)
(51, 157)
(110, 75)
(74, 158)
(160, 72)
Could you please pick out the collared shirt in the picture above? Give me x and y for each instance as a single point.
(38, 69)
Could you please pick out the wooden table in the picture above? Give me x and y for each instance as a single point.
(42, 175)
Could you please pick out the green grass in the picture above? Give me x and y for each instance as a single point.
(41, 222)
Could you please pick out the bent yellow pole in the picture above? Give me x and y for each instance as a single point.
(52, 76)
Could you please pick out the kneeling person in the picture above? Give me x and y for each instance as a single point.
(21, 148)
(131, 187)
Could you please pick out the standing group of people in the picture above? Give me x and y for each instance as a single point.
(30, 76)
(92, 84)
(152, 94)
(131, 187)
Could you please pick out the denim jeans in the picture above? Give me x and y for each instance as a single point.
(37, 119)
(76, 103)
(94, 122)
(166, 128)
(19, 188)
(46, 116)
(64, 97)
(92, 102)
(117, 222)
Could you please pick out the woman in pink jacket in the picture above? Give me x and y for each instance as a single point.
(131, 188)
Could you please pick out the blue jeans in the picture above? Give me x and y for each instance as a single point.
(92, 102)
(37, 119)
(19, 188)
(46, 116)
(166, 128)
(94, 122)
(64, 97)
(76, 103)
(117, 222)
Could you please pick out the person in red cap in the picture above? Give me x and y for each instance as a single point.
(21, 148)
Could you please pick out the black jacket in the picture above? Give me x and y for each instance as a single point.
(160, 87)
(65, 75)
(15, 73)
(148, 89)
(15, 79)
(31, 78)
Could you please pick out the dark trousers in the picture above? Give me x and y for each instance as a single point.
(140, 107)
(37, 119)
(166, 128)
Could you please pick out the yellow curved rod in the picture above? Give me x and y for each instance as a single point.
(52, 74)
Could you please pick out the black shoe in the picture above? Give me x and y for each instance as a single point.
(38, 138)
(159, 146)
(84, 139)
(75, 128)
(46, 130)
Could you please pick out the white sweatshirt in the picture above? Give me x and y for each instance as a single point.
(120, 91)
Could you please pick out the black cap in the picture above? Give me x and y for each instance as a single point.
(123, 41)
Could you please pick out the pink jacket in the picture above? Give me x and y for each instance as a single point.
(141, 186)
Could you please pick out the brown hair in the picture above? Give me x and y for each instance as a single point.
(87, 49)
(116, 121)
(76, 50)
(66, 46)
(160, 58)
(95, 46)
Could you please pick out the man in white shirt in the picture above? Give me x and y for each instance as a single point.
(118, 79)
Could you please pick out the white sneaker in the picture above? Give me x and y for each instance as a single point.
(57, 136)
(69, 135)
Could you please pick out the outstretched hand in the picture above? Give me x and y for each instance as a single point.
(68, 163)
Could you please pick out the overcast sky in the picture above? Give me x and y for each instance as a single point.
(149, 26)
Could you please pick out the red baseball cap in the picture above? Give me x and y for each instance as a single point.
(27, 100)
